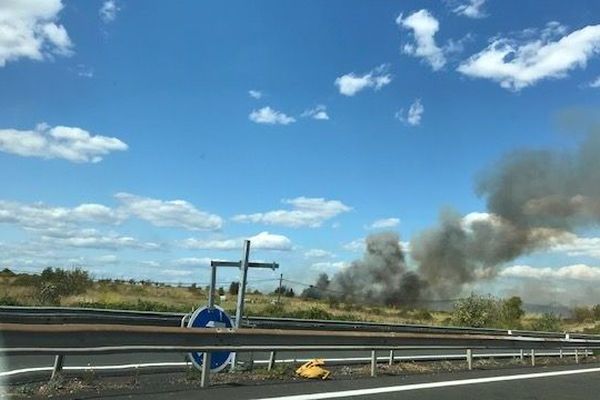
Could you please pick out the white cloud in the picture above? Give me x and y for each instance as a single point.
(357, 245)
(471, 9)
(385, 223)
(267, 115)
(54, 220)
(319, 112)
(256, 94)
(29, 29)
(516, 64)
(330, 267)
(173, 213)
(93, 239)
(595, 83)
(108, 11)
(261, 241)
(84, 71)
(576, 246)
(192, 262)
(68, 143)
(318, 253)
(350, 84)
(306, 212)
(414, 114)
(576, 272)
(424, 27)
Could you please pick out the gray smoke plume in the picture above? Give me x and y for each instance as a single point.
(534, 199)
(381, 276)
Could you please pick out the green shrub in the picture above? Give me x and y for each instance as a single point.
(9, 301)
(48, 295)
(547, 322)
(475, 311)
(582, 314)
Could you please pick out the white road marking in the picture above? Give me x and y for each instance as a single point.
(429, 385)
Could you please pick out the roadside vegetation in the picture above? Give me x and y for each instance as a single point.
(76, 288)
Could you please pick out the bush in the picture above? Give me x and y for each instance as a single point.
(547, 322)
(48, 295)
(511, 312)
(475, 311)
(9, 301)
(582, 314)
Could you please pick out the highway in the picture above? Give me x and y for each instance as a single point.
(566, 382)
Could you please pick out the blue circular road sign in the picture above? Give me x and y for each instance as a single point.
(216, 317)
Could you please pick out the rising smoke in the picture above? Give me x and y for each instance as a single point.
(534, 199)
(381, 276)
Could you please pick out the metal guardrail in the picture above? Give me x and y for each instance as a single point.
(62, 315)
(64, 340)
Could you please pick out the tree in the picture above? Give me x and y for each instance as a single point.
(221, 291)
(475, 311)
(289, 293)
(548, 322)
(511, 312)
(234, 288)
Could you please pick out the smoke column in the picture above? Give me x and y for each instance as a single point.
(534, 199)
(381, 276)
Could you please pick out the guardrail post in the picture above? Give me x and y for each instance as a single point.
(391, 357)
(373, 362)
(251, 361)
(272, 360)
(205, 378)
(522, 355)
(560, 353)
(533, 357)
(58, 366)
(576, 356)
(470, 359)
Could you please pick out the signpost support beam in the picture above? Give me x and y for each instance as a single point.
(205, 378)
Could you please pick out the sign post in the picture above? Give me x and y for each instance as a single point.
(244, 264)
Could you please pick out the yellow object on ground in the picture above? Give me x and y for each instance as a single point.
(313, 369)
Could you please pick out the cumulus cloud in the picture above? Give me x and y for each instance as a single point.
(267, 115)
(305, 212)
(384, 223)
(537, 55)
(414, 114)
(329, 267)
(68, 143)
(595, 83)
(357, 245)
(318, 253)
(192, 262)
(29, 29)
(471, 9)
(424, 26)
(580, 272)
(350, 84)
(319, 112)
(168, 213)
(576, 246)
(93, 239)
(53, 220)
(261, 241)
(255, 94)
(108, 11)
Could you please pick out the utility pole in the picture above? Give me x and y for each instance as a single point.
(280, 286)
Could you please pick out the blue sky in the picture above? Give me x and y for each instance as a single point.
(143, 138)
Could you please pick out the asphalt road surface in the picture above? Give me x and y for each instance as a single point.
(566, 382)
